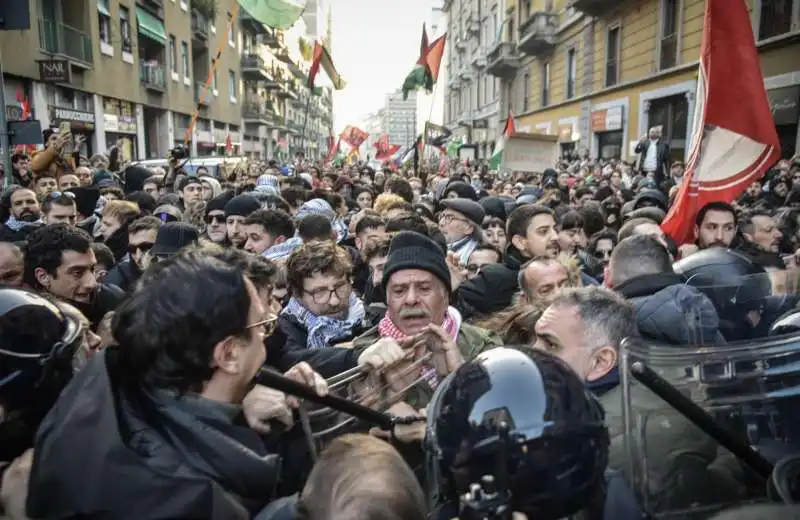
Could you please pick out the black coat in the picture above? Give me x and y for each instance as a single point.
(286, 347)
(107, 451)
(493, 289)
(9, 235)
(662, 159)
(105, 299)
(124, 275)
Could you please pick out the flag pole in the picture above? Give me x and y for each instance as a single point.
(305, 119)
(187, 136)
(5, 140)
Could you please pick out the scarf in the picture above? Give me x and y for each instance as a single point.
(15, 225)
(283, 250)
(464, 248)
(451, 325)
(323, 331)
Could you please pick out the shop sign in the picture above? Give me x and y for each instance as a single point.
(111, 122)
(784, 105)
(55, 71)
(80, 120)
(127, 124)
(607, 120)
(565, 133)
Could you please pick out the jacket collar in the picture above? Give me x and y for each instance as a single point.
(647, 284)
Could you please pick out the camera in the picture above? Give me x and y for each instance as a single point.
(179, 152)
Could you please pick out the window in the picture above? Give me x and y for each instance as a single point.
(231, 36)
(495, 25)
(105, 21)
(612, 56)
(546, 84)
(526, 91)
(572, 73)
(173, 55)
(775, 17)
(232, 85)
(671, 114)
(670, 22)
(125, 29)
(214, 78)
(185, 60)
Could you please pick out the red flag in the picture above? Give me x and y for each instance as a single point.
(322, 58)
(228, 145)
(423, 46)
(333, 149)
(735, 140)
(433, 56)
(353, 136)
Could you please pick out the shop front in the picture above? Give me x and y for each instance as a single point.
(80, 122)
(607, 127)
(119, 119)
(19, 99)
(784, 103)
(566, 140)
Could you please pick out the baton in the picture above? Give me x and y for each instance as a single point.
(702, 419)
(280, 382)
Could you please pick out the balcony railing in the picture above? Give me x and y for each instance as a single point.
(153, 76)
(593, 7)
(202, 95)
(538, 33)
(255, 110)
(59, 38)
(199, 26)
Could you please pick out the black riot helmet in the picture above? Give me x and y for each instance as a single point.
(37, 342)
(523, 421)
(788, 323)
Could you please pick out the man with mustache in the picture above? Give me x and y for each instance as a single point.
(420, 319)
(21, 214)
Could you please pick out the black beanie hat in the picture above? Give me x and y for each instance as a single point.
(219, 202)
(134, 177)
(241, 205)
(85, 199)
(410, 250)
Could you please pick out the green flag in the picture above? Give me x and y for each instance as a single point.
(418, 78)
(452, 148)
(280, 14)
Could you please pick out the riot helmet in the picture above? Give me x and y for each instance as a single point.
(788, 323)
(37, 342)
(523, 422)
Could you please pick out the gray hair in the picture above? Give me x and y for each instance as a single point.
(607, 318)
(638, 255)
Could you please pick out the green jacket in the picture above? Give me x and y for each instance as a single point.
(684, 466)
(471, 342)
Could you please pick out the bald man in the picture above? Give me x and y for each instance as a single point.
(11, 265)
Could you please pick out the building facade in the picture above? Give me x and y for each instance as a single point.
(472, 96)
(140, 69)
(399, 118)
(599, 73)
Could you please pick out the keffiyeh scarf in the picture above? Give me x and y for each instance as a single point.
(283, 250)
(15, 225)
(451, 325)
(463, 248)
(323, 331)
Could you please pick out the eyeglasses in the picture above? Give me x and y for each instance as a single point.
(267, 324)
(446, 218)
(218, 219)
(602, 254)
(55, 195)
(143, 247)
(473, 269)
(323, 294)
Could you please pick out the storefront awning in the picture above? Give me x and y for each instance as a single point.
(150, 26)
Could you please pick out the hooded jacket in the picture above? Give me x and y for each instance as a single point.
(110, 452)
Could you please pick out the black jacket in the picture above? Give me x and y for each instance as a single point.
(106, 299)
(493, 289)
(671, 312)
(107, 451)
(662, 159)
(124, 275)
(9, 235)
(286, 347)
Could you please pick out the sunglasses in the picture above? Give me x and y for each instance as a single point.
(58, 194)
(602, 254)
(143, 247)
(267, 325)
(211, 219)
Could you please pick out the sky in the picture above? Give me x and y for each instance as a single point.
(375, 46)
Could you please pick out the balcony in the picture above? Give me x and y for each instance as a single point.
(502, 60)
(461, 44)
(202, 96)
(154, 6)
(153, 77)
(465, 118)
(287, 91)
(593, 7)
(269, 37)
(254, 68)
(62, 40)
(256, 112)
(479, 59)
(466, 74)
(250, 23)
(538, 33)
(199, 29)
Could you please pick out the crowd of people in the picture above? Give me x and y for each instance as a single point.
(484, 309)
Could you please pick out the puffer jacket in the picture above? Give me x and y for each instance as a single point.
(669, 311)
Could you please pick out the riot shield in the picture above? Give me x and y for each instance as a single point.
(751, 388)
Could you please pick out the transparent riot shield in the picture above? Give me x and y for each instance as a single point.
(751, 387)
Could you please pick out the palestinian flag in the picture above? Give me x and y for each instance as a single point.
(321, 58)
(436, 135)
(497, 156)
(280, 14)
(426, 71)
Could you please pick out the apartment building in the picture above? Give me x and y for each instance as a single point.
(139, 68)
(599, 73)
(399, 118)
(472, 97)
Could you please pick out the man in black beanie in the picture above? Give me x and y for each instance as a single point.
(236, 211)
(215, 218)
(419, 316)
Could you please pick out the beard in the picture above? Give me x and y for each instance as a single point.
(28, 216)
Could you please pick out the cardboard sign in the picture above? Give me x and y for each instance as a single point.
(530, 152)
